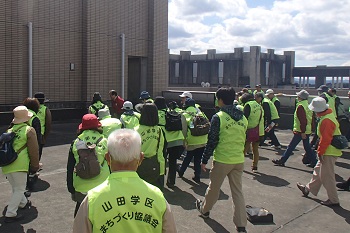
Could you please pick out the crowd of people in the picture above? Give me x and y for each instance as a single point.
(132, 147)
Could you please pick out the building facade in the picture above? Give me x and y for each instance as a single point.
(77, 49)
(236, 69)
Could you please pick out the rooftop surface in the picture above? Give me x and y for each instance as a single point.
(273, 188)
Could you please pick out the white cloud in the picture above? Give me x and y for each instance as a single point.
(317, 31)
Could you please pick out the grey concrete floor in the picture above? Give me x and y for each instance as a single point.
(271, 187)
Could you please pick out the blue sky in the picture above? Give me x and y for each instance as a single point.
(318, 31)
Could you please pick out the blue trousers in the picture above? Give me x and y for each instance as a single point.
(295, 141)
(197, 158)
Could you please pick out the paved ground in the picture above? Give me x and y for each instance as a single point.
(272, 187)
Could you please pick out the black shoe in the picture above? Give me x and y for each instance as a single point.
(241, 229)
(27, 206)
(18, 217)
(170, 185)
(196, 179)
(178, 171)
(312, 165)
(278, 162)
(343, 186)
(329, 203)
(27, 194)
(303, 189)
(199, 208)
(254, 169)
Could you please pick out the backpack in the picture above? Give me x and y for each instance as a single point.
(173, 121)
(97, 109)
(200, 125)
(7, 154)
(88, 166)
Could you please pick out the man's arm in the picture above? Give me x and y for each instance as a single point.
(82, 223)
(70, 170)
(213, 139)
(327, 128)
(301, 114)
(168, 225)
(246, 110)
(48, 124)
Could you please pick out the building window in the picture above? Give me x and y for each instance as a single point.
(267, 72)
(177, 70)
(221, 72)
(194, 72)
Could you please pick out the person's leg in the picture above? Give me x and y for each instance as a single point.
(255, 147)
(187, 160)
(18, 184)
(295, 141)
(217, 175)
(41, 146)
(197, 158)
(235, 181)
(328, 177)
(315, 183)
(274, 140)
(246, 147)
(174, 153)
(310, 153)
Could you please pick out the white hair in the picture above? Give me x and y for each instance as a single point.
(124, 145)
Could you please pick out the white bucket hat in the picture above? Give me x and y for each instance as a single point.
(127, 105)
(21, 115)
(318, 104)
(103, 113)
(269, 91)
(186, 94)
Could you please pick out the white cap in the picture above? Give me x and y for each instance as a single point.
(318, 104)
(186, 94)
(127, 105)
(269, 91)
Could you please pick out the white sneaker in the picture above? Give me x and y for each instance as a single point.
(276, 147)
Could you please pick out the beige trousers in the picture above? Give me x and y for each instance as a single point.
(217, 175)
(324, 175)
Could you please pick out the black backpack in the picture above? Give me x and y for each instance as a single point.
(7, 154)
(97, 109)
(172, 121)
(88, 165)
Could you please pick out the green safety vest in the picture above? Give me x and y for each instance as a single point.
(232, 137)
(42, 116)
(98, 105)
(256, 91)
(30, 122)
(91, 136)
(21, 164)
(331, 150)
(255, 114)
(130, 121)
(189, 114)
(273, 109)
(331, 102)
(149, 142)
(110, 124)
(170, 136)
(261, 123)
(296, 126)
(274, 99)
(126, 203)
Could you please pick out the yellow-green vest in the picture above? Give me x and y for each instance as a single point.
(21, 164)
(273, 109)
(130, 121)
(126, 203)
(232, 137)
(331, 102)
(331, 150)
(99, 105)
(189, 114)
(30, 122)
(256, 91)
(110, 124)
(261, 123)
(91, 136)
(42, 116)
(255, 114)
(149, 142)
(170, 136)
(308, 112)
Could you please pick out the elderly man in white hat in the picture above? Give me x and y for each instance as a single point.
(184, 96)
(327, 154)
(301, 130)
(271, 95)
(130, 119)
(109, 124)
(26, 146)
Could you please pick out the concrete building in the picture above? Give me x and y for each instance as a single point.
(77, 49)
(236, 69)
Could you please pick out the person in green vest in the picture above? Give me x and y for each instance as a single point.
(174, 140)
(108, 123)
(323, 91)
(44, 115)
(271, 118)
(255, 116)
(228, 156)
(174, 106)
(258, 89)
(89, 133)
(145, 97)
(194, 144)
(248, 89)
(153, 140)
(110, 205)
(129, 119)
(271, 95)
(323, 174)
(332, 92)
(96, 104)
(301, 132)
(26, 145)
